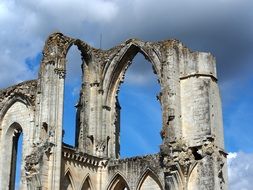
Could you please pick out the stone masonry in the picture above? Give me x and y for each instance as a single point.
(191, 156)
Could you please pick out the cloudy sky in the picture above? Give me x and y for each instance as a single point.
(222, 27)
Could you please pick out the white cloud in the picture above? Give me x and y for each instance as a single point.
(65, 13)
(26, 24)
(240, 171)
(224, 27)
(139, 78)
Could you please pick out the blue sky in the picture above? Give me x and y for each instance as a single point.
(222, 27)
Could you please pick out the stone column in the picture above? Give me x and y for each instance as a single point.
(51, 113)
(170, 95)
(49, 110)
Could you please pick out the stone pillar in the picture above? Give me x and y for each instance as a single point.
(50, 105)
(170, 95)
(51, 113)
(91, 130)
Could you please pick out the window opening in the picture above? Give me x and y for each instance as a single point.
(86, 184)
(71, 94)
(67, 185)
(118, 184)
(150, 181)
(16, 160)
(141, 116)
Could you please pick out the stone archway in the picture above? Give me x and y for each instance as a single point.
(149, 181)
(68, 182)
(192, 128)
(87, 185)
(113, 75)
(10, 158)
(118, 183)
(12, 127)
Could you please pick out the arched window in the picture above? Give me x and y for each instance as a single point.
(149, 181)
(14, 137)
(67, 182)
(118, 183)
(14, 131)
(87, 184)
(140, 114)
(72, 88)
(18, 150)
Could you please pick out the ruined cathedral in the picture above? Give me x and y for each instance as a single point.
(191, 155)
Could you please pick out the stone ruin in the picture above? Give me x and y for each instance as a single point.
(191, 155)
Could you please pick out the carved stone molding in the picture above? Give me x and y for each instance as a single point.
(84, 158)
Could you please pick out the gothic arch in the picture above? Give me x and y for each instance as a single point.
(9, 154)
(55, 53)
(114, 72)
(14, 128)
(15, 98)
(174, 181)
(113, 76)
(192, 178)
(11, 127)
(86, 183)
(57, 46)
(178, 178)
(68, 182)
(118, 182)
(149, 178)
(22, 106)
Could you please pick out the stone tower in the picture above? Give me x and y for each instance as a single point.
(191, 156)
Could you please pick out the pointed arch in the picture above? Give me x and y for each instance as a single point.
(177, 180)
(113, 75)
(68, 183)
(192, 180)
(87, 184)
(21, 107)
(57, 44)
(118, 182)
(71, 97)
(17, 117)
(18, 97)
(173, 181)
(10, 151)
(149, 180)
(14, 129)
(55, 52)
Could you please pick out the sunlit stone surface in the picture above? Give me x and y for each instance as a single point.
(191, 154)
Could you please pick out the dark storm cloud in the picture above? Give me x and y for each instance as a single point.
(221, 27)
(25, 25)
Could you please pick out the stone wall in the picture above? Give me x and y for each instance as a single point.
(192, 152)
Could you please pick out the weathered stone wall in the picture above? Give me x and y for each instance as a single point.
(192, 151)
(138, 172)
(80, 171)
(16, 117)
